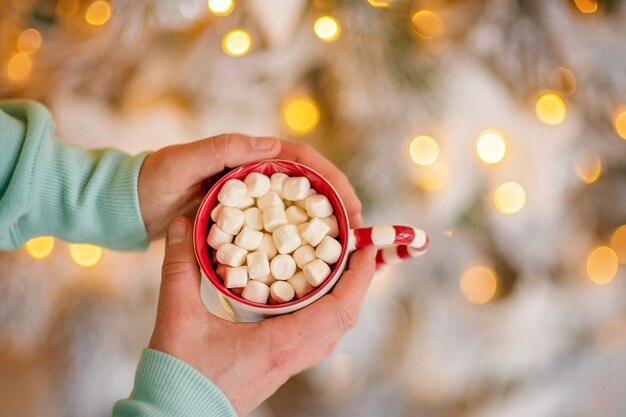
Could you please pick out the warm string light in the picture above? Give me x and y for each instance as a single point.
(587, 6)
(29, 41)
(602, 265)
(221, 7)
(618, 243)
(551, 109)
(424, 150)
(19, 68)
(98, 13)
(84, 254)
(588, 167)
(236, 43)
(327, 28)
(379, 3)
(509, 198)
(427, 24)
(479, 284)
(491, 146)
(301, 114)
(620, 122)
(40, 247)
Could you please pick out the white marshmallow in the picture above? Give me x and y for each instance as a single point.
(317, 205)
(232, 193)
(215, 213)
(247, 202)
(287, 238)
(258, 265)
(268, 246)
(276, 182)
(273, 218)
(295, 215)
(217, 237)
(300, 284)
(257, 184)
(249, 238)
(296, 188)
(257, 292)
(253, 218)
(282, 292)
(231, 255)
(230, 220)
(329, 250)
(270, 199)
(303, 255)
(314, 231)
(266, 279)
(283, 267)
(316, 272)
(302, 203)
(236, 277)
(331, 222)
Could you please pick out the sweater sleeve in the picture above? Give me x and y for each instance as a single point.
(166, 386)
(51, 188)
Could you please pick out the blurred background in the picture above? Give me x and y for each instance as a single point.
(497, 126)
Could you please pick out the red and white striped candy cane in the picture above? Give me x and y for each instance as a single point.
(395, 243)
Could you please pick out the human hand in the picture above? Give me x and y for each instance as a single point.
(249, 361)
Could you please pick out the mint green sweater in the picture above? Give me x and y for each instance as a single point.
(51, 188)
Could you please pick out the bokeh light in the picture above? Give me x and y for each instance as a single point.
(19, 68)
(221, 7)
(236, 42)
(98, 13)
(434, 177)
(301, 114)
(620, 122)
(551, 109)
(509, 198)
(379, 3)
(40, 247)
(618, 243)
(424, 150)
(491, 146)
(602, 265)
(29, 41)
(84, 254)
(587, 6)
(479, 284)
(327, 28)
(427, 24)
(563, 81)
(588, 167)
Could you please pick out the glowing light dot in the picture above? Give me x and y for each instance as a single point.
(434, 177)
(479, 284)
(424, 150)
(301, 114)
(221, 7)
(98, 13)
(379, 3)
(491, 146)
(327, 28)
(618, 243)
(40, 247)
(19, 68)
(29, 41)
(84, 254)
(588, 167)
(551, 109)
(602, 265)
(620, 123)
(563, 80)
(587, 6)
(236, 42)
(509, 198)
(427, 24)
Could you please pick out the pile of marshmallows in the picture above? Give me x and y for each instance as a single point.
(274, 237)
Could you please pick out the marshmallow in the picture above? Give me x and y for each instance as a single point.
(273, 218)
(283, 267)
(258, 265)
(316, 272)
(303, 255)
(217, 237)
(232, 193)
(231, 255)
(270, 199)
(230, 220)
(287, 238)
(300, 284)
(266, 279)
(314, 231)
(257, 184)
(257, 292)
(268, 246)
(295, 215)
(236, 277)
(249, 238)
(215, 213)
(329, 250)
(253, 218)
(276, 182)
(282, 291)
(296, 188)
(247, 202)
(317, 205)
(302, 203)
(331, 222)
(221, 270)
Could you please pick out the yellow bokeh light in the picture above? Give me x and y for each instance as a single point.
(491, 146)
(551, 109)
(19, 68)
(509, 198)
(424, 150)
(620, 122)
(236, 42)
(29, 41)
(84, 254)
(434, 177)
(327, 28)
(301, 114)
(427, 24)
(563, 81)
(379, 3)
(588, 167)
(602, 265)
(479, 284)
(221, 7)
(618, 243)
(40, 247)
(98, 13)
(587, 6)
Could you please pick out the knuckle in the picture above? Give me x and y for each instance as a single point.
(220, 146)
(175, 268)
(346, 315)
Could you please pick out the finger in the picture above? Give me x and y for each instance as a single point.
(307, 155)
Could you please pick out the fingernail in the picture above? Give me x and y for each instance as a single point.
(263, 144)
(176, 233)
